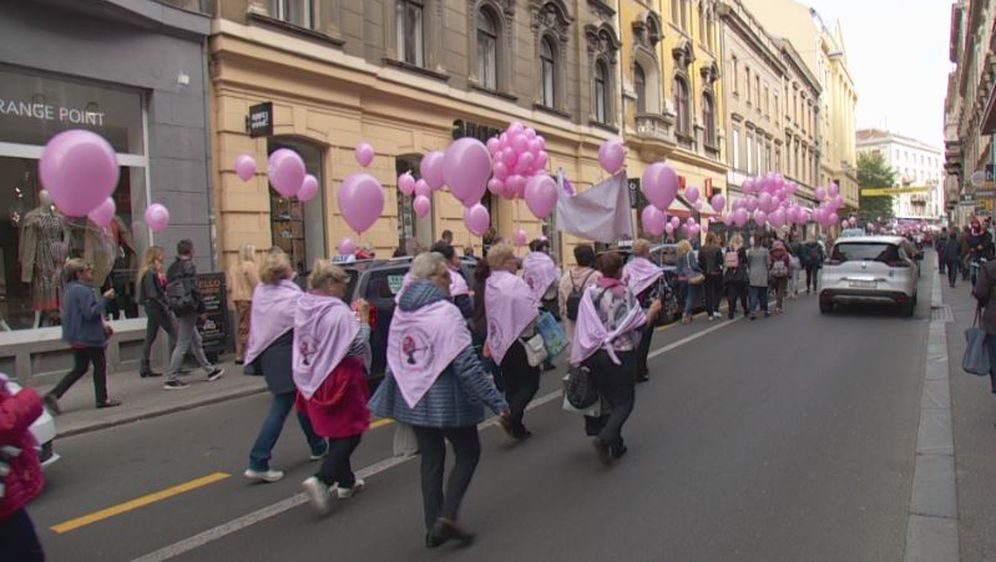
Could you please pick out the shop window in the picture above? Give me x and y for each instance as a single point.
(487, 49)
(408, 19)
(683, 121)
(297, 12)
(548, 71)
(299, 228)
(640, 85)
(709, 120)
(601, 92)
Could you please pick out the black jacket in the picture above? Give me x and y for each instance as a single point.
(711, 260)
(187, 271)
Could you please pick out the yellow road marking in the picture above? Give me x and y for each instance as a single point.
(136, 503)
(381, 423)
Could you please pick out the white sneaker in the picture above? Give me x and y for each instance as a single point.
(718, 316)
(263, 475)
(318, 494)
(346, 493)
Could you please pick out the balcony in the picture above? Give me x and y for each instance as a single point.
(655, 135)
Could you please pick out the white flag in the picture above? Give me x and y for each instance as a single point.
(601, 213)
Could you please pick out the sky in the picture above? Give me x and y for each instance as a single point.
(897, 53)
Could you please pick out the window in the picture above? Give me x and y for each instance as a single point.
(297, 228)
(747, 85)
(684, 14)
(768, 155)
(487, 50)
(757, 90)
(736, 148)
(736, 75)
(297, 12)
(778, 116)
(767, 101)
(681, 105)
(640, 85)
(750, 153)
(778, 158)
(702, 23)
(548, 64)
(760, 152)
(708, 120)
(601, 92)
(408, 25)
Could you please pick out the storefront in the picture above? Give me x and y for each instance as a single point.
(61, 71)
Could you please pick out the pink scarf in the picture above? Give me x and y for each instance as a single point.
(324, 330)
(421, 345)
(273, 309)
(511, 306)
(539, 272)
(590, 334)
(458, 285)
(640, 273)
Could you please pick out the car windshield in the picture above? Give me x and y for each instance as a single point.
(865, 251)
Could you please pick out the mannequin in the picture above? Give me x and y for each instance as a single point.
(42, 252)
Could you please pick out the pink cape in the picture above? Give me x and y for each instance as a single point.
(511, 306)
(324, 330)
(458, 285)
(273, 309)
(421, 345)
(639, 274)
(590, 334)
(539, 272)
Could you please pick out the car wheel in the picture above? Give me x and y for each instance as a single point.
(826, 307)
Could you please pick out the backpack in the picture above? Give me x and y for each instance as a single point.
(180, 297)
(814, 254)
(574, 298)
(731, 260)
(778, 268)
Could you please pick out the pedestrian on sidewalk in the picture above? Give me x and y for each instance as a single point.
(242, 280)
(512, 309)
(950, 255)
(758, 260)
(812, 259)
(794, 249)
(690, 279)
(608, 335)
(541, 274)
(942, 241)
(735, 275)
(21, 478)
(84, 330)
(187, 304)
(711, 265)
(779, 269)
(640, 276)
(573, 284)
(331, 358)
(966, 252)
(982, 291)
(152, 283)
(270, 352)
(435, 383)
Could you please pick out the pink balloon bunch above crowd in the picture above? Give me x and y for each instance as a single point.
(519, 154)
(769, 200)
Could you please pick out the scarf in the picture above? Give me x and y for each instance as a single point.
(273, 309)
(405, 283)
(511, 306)
(640, 273)
(324, 330)
(421, 345)
(539, 272)
(590, 334)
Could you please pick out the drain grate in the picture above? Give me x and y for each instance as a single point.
(942, 314)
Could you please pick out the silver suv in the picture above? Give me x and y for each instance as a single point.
(870, 270)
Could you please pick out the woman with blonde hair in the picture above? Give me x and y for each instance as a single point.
(242, 280)
(690, 278)
(735, 275)
(152, 283)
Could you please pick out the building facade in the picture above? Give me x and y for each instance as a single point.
(916, 164)
(134, 72)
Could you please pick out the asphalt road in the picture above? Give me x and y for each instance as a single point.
(790, 438)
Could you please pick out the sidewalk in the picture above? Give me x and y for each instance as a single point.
(145, 398)
(973, 410)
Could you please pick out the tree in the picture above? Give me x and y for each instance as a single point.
(873, 171)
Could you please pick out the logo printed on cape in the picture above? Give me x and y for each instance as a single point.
(416, 349)
(495, 333)
(530, 280)
(307, 349)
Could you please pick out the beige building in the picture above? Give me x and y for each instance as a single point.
(916, 164)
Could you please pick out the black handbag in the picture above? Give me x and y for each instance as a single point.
(580, 387)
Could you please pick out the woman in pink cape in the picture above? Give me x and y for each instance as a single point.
(541, 273)
(512, 308)
(641, 276)
(606, 339)
(331, 357)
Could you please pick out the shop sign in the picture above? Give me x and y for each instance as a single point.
(259, 123)
(477, 131)
(214, 330)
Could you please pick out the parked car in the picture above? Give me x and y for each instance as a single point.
(870, 270)
(43, 430)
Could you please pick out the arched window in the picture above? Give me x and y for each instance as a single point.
(487, 49)
(548, 71)
(601, 92)
(681, 105)
(640, 85)
(708, 120)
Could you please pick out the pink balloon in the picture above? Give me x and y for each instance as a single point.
(421, 205)
(697, 205)
(517, 185)
(520, 237)
(466, 168)
(740, 217)
(541, 160)
(494, 145)
(833, 190)
(535, 145)
(718, 202)
(431, 168)
(525, 163)
(832, 219)
(669, 228)
(660, 185)
(653, 220)
(309, 188)
(612, 155)
(245, 167)
(760, 217)
(347, 247)
(157, 217)
(692, 194)
(728, 219)
(496, 186)
(80, 170)
(509, 157)
(477, 219)
(520, 143)
(104, 213)
(361, 200)
(675, 221)
(406, 183)
(693, 230)
(764, 202)
(286, 171)
(422, 188)
(751, 204)
(541, 195)
(515, 128)
(777, 218)
(500, 170)
(529, 132)
(364, 154)
(820, 193)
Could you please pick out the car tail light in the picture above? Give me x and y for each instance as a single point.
(373, 317)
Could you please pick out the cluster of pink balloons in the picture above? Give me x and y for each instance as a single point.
(660, 187)
(831, 201)
(519, 154)
(768, 199)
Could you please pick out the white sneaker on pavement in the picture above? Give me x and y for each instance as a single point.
(318, 494)
(263, 475)
(346, 493)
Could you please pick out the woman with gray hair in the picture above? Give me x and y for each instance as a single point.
(435, 383)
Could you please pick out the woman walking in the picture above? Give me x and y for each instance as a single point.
(459, 289)
(331, 357)
(735, 275)
(711, 265)
(541, 273)
(758, 259)
(243, 278)
(812, 258)
(640, 276)
(83, 329)
(690, 278)
(21, 478)
(606, 341)
(152, 282)
(779, 269)
(270, 351)
(573, 284)
(435, 383)
(982, 291)
(512, 308)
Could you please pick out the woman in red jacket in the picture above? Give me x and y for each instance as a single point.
(20, 472)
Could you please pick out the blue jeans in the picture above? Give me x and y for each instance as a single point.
(691, 296)
(758, 296)
(280, 407)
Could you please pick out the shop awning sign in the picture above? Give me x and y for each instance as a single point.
(890, 191)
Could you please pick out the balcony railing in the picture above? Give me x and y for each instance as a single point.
(651, 126)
